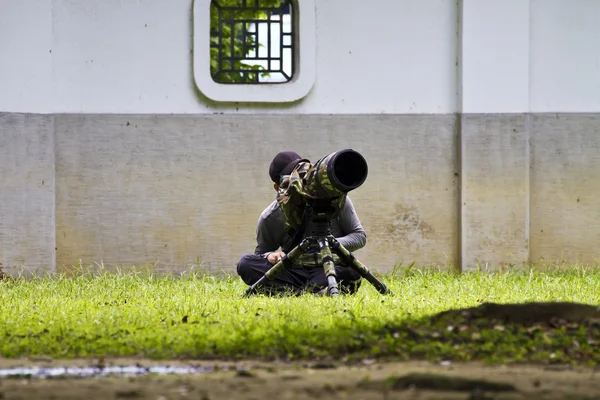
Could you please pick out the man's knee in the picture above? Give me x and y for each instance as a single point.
(250, 268)
(245, 263)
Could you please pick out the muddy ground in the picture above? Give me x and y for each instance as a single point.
(367, 380)
(370, 380)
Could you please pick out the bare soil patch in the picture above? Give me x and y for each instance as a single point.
(376, 380)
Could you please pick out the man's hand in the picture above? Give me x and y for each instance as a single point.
(275, 257)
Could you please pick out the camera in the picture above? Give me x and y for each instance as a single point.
(321, 187)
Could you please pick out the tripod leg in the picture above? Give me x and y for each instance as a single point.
(352, 261)
(326, 261)
(285, 263)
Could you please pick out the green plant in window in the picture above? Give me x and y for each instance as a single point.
(224, 30)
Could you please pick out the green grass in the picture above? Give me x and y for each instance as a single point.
(204, 316)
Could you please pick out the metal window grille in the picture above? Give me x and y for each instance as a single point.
(252, 41)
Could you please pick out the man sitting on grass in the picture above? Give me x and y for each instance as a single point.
(273, 242)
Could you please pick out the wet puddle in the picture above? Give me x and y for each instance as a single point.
(92, 372)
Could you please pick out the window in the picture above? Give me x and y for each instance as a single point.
(254, 50)
(252, 41)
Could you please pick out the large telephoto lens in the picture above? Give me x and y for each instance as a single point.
(347, 170)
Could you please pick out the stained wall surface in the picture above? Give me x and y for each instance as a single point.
(165, 189)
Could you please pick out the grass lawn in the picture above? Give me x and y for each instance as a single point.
(204, 316)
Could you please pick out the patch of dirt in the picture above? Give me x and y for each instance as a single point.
(526, 313)
(370, 380)
(440, 382)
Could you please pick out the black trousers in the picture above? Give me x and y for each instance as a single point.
(252, 267)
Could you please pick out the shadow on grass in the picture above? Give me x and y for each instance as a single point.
(546, 332)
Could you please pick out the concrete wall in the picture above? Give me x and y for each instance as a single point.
(27, 207)
(171, 189)
(480, 121)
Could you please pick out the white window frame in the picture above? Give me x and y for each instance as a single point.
(304, 62)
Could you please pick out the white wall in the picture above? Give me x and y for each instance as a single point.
(494, 67)
(398, 56)
(26, 81)
(127, 56)
(565, 55)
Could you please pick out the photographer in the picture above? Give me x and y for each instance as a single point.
(273, 242)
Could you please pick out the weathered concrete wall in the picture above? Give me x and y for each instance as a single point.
(178, 189)
(27, 193)
(495, 189)
(565, 187)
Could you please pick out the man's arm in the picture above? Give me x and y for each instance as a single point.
(269, 232)
(355, 236)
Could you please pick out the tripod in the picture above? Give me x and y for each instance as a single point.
(319, 233)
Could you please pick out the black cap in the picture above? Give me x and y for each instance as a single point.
(283, 164)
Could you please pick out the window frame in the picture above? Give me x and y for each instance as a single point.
(304, 60)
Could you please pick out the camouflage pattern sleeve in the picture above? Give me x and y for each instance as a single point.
(355, 236)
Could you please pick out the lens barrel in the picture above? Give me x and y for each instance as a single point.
(337, 173)
(347, 170)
